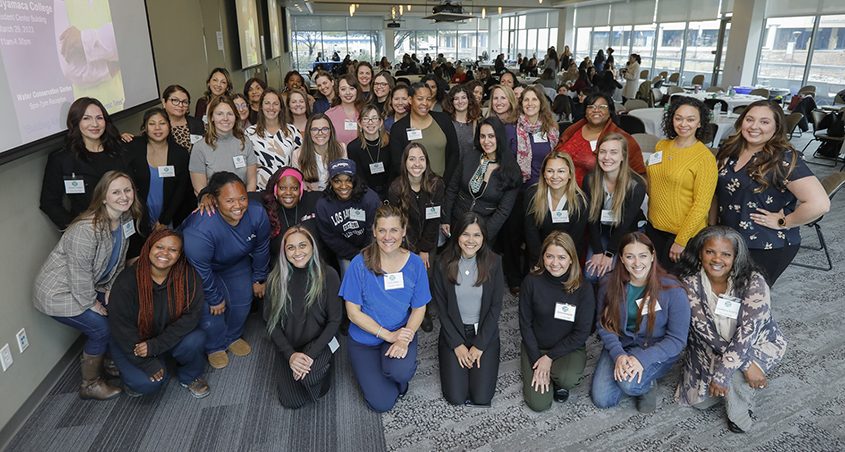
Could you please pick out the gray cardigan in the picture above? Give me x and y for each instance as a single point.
(66, 284)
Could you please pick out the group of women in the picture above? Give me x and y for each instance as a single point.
(355, 210)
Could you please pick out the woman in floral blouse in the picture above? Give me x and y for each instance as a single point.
(732, 328)
(762, 178)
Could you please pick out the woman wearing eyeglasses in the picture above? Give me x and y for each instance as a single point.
(185, 129)
(382, 85)
(319, 148)
(370, 151)
(580, 140)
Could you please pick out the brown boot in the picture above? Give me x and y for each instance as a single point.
(93, 386)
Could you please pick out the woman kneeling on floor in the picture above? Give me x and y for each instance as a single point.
(556, 313)
(468, 289)
(386, 290)
(732, 326)
(303, 314)
(154, 309)
(643, 321)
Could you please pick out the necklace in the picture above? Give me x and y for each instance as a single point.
(378, 149)
(295, 215)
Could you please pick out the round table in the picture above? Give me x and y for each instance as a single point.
(652, 119)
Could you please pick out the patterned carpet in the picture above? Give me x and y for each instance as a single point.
(802, 410)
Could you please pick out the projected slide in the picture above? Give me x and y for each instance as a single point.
(54, 51)
(248, 33)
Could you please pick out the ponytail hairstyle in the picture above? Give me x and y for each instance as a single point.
(616, 295)
(371, 252)
(278, 296)
(182, 283)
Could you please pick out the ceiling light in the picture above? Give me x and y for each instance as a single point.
(483, 13)
(500, 10)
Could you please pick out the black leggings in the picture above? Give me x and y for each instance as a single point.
(476, 385)
(773, 262)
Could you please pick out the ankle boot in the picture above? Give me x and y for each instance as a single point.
(93, 386)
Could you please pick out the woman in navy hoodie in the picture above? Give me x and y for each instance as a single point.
(643, 321)
(345, 213)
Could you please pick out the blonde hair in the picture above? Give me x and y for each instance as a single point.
(626, 180)
(211, 133)
(513, 112)
(539, 205)
(563, 240)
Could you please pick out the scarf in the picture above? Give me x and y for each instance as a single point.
(523, 143)
(478, 177)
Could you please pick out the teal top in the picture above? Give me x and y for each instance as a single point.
(634, 293)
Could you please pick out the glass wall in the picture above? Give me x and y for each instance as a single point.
(702, 38)
(642, 43)
(828, 69)
(783, 54)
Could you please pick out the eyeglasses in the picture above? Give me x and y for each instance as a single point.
(380, 84)
(320, 130)
(370, 120)
(597, 107)
(179, 102)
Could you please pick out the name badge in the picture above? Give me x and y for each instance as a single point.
(240, 161)
(565, 311)
(349, 124)
(727, 306)
(128, 229)
(393, 281)
(166, 171)
(432, 212)
(540, 137)
(607, 216)
(376, 168)
(357, 214)
(414, 134)
(560, 216)
(645, 308)
(195, 139)
(655, 158)
(74, 186)
(334, 345)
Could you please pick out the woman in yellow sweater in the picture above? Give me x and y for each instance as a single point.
(682, 178)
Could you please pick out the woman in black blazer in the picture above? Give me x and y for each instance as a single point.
(487, 180)
(433, 129)
(159, 168)
(468, 286)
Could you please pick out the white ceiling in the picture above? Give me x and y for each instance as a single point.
(423, 8)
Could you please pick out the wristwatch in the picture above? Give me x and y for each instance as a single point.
(782, 222)
(608, 254)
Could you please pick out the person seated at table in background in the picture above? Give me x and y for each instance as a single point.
(303, 314)
(615, 194)
(230, 250)
(765, 190)
(556, 312)
(386, 291)
(682, 177)
(460, 75)
(468, 286)
(154, 311)
(345, 212)
(734, 342)
(643, 322)
(72, 284)
(580, 140)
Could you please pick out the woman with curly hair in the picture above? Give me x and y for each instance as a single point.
(465, 111)
(734, 341)
(765, 190)
(681, 180)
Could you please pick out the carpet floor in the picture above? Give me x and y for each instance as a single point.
(802, 409)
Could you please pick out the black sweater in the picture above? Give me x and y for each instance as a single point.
(379, 182)
(535, 235)
(631, 214)
(304, 214)
(399, 139)
(421, 234)
(65, 165)
(166, 332)
(539, 327)
(308, 331)
(495, 202)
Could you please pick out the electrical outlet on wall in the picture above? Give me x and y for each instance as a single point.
(6, 357)
(23, 340)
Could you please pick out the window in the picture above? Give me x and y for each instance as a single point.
(643, 44)
(784, 52)
(582, 41)
(601, 40)
(670, 46)
(702, 38)
(827, 71)
(620, 39)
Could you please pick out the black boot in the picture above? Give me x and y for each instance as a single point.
(427, 325)
(561, 395)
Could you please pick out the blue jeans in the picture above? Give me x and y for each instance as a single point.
(221, 330)
(95, 328)
(607, 392)
(188, 353)
(380, 378)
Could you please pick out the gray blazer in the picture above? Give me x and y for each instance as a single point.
(66, 285)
